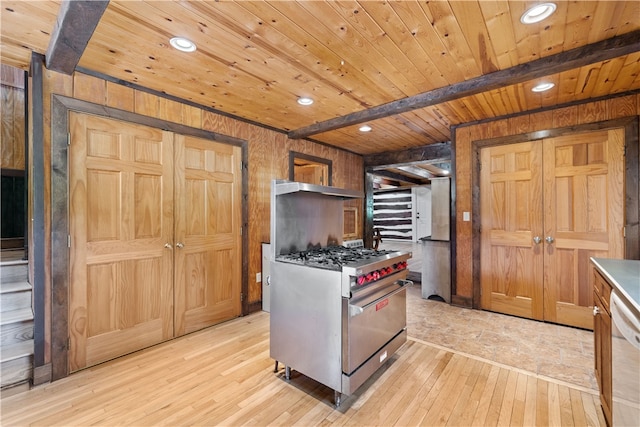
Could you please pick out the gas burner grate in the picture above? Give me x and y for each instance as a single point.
(332, 257)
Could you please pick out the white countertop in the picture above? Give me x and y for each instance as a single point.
(624, 276)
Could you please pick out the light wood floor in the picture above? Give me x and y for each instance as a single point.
(224, 376)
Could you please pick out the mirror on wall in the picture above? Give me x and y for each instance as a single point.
(309, 169)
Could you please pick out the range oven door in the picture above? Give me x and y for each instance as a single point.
(372, 320)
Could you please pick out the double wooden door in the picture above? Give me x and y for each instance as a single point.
(547, 206)
(154, 236)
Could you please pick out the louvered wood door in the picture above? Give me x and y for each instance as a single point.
(120, 218)
(575, 207)
(511, 217)
(208, 220)
(584, 217)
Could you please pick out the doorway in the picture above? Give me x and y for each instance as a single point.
(546, 207)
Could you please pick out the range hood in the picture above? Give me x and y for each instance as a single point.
(305, 216)
(287, 187)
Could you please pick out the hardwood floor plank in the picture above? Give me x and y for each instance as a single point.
(223, 376)
(566, 413)
(517, 414)
(506, 408)
(493, 415)
(542, 403)
(530, 402)
(487, 395)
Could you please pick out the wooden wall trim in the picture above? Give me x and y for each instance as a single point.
(61, 105)
(632, 160)
(37, 226)
(632, 189)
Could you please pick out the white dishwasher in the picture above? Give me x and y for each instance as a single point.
(625, 355)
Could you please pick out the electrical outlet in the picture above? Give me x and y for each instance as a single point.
(258, 277)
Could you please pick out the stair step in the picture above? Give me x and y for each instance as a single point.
(14, 271)
(14, 316)
(7, 287)
(16, 332)
(17, 363)
(15, 300)
(17, 350)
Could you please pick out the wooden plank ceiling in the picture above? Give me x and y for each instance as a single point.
(354, 59)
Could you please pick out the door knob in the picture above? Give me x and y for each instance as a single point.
(549, 239)
(537, 240)
(596, 310)
(180, 245)
(167, 245)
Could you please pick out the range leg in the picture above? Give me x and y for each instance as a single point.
(276, 367)
(337, 398)
(287, 373)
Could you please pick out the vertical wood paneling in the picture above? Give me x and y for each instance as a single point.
(169, 110)
(120, 97)
(464, 137)
(12, 127)
(191, 116)
(146, 104)
(89, 88)
(565, 117)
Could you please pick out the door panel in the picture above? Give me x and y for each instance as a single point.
(511, 263)
(208, 220)
(121, 216)
(573, 191)
(584, 214)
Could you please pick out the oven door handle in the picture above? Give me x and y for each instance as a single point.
(355, 310)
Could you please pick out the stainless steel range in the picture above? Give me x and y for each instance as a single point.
(337, 313)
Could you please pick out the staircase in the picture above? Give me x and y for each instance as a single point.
(16, 323)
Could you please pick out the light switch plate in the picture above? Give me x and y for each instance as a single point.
(258, 277)
(466, 216)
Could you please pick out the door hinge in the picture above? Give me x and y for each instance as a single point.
(68, 138)
(68, 343)
(624, 231)
(68, 240)
(241, 231)
(241, 296)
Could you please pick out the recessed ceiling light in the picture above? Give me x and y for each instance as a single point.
(183, 44)
(365, 128)
(303, 100)
(541, 87)
(538, 13)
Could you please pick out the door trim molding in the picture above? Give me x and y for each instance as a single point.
(60, 108)
(632, 176)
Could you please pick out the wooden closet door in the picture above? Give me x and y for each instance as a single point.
(120, 218)
(584, 215)
(208, 251)
(511, 218)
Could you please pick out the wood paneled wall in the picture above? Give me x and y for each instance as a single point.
(581, 114)
(268, 153)
(12, 122)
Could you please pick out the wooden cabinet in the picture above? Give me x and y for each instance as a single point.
(602, 341)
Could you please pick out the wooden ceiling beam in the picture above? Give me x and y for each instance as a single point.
(553, 64)
(439, 152)
(397, 177)
(75, 24)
